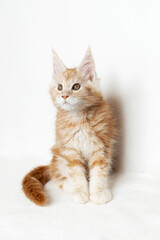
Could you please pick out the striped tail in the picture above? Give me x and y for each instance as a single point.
(33, 184)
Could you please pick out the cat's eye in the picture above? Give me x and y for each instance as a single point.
(60, 87)
(76, 86)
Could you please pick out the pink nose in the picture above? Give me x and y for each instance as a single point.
(65, 97)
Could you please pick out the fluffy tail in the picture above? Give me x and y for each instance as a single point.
(33, 184)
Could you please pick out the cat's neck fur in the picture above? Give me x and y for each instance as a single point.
(81, 115)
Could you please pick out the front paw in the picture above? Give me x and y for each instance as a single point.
(101, 197)
(80, 197)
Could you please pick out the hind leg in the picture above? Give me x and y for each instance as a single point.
(59, 173)
(60, 176)
(66, 185)
(68, 171)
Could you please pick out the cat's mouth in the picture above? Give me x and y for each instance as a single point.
(65, 102)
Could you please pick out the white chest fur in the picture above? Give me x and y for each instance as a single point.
(82, 137)
(83, 142)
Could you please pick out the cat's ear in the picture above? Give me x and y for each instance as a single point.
(87, 66)
(58, 66)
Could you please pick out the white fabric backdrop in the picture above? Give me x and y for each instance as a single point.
(125, 40)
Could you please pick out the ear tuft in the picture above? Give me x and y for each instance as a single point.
(87, 66)
(58, 66)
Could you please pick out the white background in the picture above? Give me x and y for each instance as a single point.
(125, 40)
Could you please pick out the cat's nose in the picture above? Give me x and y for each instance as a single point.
(65, 97)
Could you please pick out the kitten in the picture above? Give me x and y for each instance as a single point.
(85, 132)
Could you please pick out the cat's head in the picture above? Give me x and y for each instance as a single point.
(75, 89)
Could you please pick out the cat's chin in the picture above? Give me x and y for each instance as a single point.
(67, 107)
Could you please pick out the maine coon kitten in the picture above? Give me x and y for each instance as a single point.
(85, 131)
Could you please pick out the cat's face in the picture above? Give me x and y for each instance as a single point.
(75, 89)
